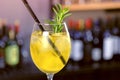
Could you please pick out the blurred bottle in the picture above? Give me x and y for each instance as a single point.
(12, 54)
(88, 45)
(97, 43)
(5, 30)
(76, 33)
(77, 55)
(107, 42)
(19, 40)
(118, 24)
(2, 46)
(116, 38)
(71, 27)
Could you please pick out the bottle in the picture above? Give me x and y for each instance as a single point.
(19, 40)
(107, 42)
(97, 43)
(88, 45)
(2, 46)
(78, 45)
(12, 55)
(5, 31)
(118, 24)
(73, 61)
(115, 34)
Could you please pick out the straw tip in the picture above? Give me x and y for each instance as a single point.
(25, 1)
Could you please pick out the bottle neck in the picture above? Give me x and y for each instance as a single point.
(11, 35)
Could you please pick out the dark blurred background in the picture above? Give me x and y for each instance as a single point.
(94, 28)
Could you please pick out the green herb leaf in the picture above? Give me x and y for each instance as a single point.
(60, 15)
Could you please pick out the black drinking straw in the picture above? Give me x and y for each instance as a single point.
(41, 27)
(33, 14)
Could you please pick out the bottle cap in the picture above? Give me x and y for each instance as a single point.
(70, 23)
(88, 23)
(11, 33)
(81, 24)
(16, 26)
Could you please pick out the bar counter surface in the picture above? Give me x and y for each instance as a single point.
(104, 72)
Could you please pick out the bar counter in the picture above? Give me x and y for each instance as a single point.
(104, 72)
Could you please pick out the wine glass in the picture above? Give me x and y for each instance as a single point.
(50, 50)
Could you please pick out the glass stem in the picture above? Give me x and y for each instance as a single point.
(50, 76)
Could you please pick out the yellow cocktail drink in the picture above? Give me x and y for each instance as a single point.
(44, 56)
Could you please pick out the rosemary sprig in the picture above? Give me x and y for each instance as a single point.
(60, 15)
